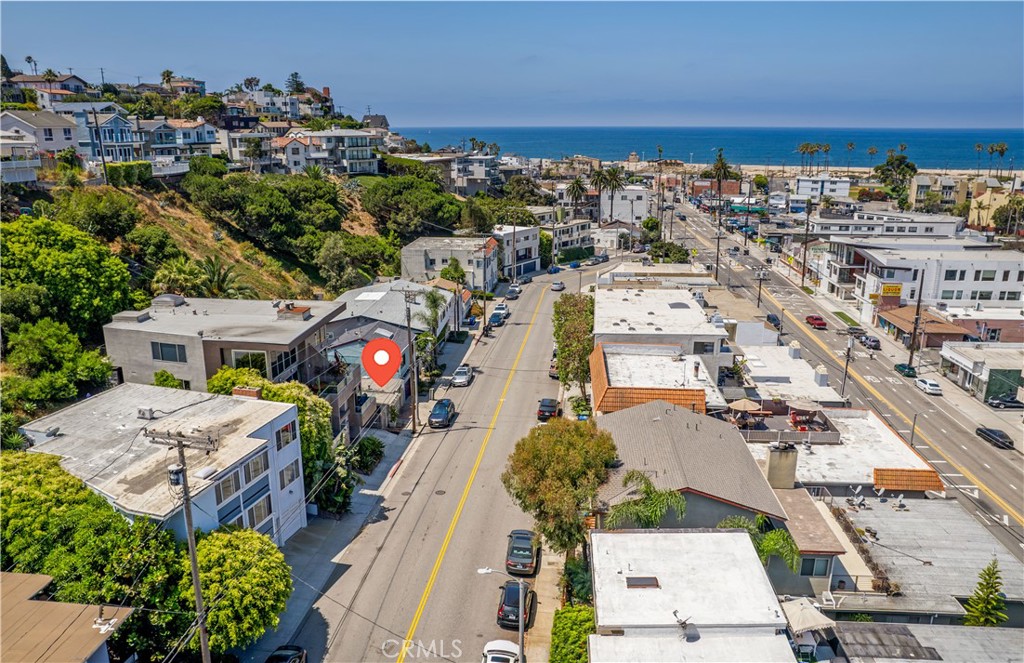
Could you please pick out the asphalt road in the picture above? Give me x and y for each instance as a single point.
(988, 481)
(411, 573)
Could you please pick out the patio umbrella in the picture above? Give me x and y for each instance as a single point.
(804, 406)
(744, 405)
(802, 616)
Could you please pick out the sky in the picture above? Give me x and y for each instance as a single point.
(803, 64)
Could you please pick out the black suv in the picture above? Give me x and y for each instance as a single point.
(995, 437)
(442, 414)
(521, 554)
(547, 408)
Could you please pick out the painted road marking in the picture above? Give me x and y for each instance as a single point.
(872, 378)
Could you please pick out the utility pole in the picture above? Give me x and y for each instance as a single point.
(762, 276)
(410, 299)
(917, 318)
(718, 224)
(807, 233)
(846, 368)
(179, 473)
(103, 81)
(99, 136)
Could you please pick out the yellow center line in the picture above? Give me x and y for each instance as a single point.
(919, 435)
(407, 642)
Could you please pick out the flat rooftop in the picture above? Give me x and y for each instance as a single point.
(1005, 356)
(712, 578)
(732, 305)
(866, 443)
(911, 243)
(912, 643)
(941, 532)
(659, 366)
(463, 243)
(102, 441)
(894, 255)
(736, 648)
(651, 312)
(777, 374)
(243, 320)
(988, 313)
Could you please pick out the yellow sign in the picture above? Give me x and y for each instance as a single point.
(873, 297)
(892, 289)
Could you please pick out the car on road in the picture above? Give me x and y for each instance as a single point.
(508, 605)
(590, 262)
(638, 249)
(503, 309)
(512, 294)
(496, 320)
(500, 651)
(774, 320)
(995, 437)
(558, 286)
(871, 342)
(288, 654)
(463, 376)
(1005, 401)
(930, 387)
(522, 552)
(442, 414)
(906, 370)
(547, 408)
(603, 257)
(855, 331)
(816, 321)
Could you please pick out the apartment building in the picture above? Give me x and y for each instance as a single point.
(571, 233)
(525, 257)
(234, 143)
(822, 184)
(344, 151)
(951, 190)
(631, 204)
(867, 223)
(475, 173)
(425, 257)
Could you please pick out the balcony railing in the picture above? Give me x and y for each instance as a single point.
(18, 163)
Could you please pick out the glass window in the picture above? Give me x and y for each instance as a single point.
(227, 487)
(286, 435)
(981, 295)
(929, 229)
(47, 134)
(901, 229)
(283, 361)
(814, 566)
(289, 473)
(946, 294)
(912, 229)
(993, 334)
(67, 134)
(986, 275)
(259, 512)
(250, 359)
(1006, 275)
(1009, 296)
(168, 352)
(950, 275)
(256, 466)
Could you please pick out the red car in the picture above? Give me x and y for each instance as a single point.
(816, 321)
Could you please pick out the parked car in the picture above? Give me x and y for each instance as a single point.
(553, 369)
(590, 262)
(774, 320)
(442, 414)
(508, 605)
(816, 321)
(503, 309)
(287, 654)
(547, 408)
(496, 320)
(856, 332)
(523, 280)
(558, 286)
(463, 376)
(871, 342)
(575, 264)
(995, 437)
(603, 257)
(512, 294)
(930, 387)
(905, 370)
(1005, 401)
(522, 552)
(554, 269)
(500, 651)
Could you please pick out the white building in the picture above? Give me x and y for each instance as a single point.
(572, 233)
(19, 158)
(631, 204)
(345, 151)
(235, 143)
(870, 223)
(822, 184)
(52, 132)
(117, 443)
(683, 595)
(292, 153)
(475, 173)
(778, 201)
(545, 214)
(424, 258)
(527, 248)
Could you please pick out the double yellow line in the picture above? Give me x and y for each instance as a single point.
(867, 385)
(407, 642)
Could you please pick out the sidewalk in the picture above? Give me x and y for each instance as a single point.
(314, 552)
(549, 599)
(451, 356)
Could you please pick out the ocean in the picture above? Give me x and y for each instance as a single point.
(927, 148)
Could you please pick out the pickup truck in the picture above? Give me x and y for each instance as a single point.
(816, 321)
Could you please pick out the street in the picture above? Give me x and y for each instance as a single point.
(987, 480)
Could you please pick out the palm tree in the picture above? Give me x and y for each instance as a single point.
(979, 148)
(317, 124)
(614, 181)
(220, 281)
(903, 147)
(991, 153)
(774, 543)
(313, 172)
(31, 61)
(49, 77)
(597, 182)
(872, 151)
(429, 341)
(890, 152)
(1001, 149)
(825, 149)
(251, 83)
(979, 207)
(179, 276)
(650, 506)
(165, 77)
(826, 202)
(849, 154)
(577, 191)
(812, 151)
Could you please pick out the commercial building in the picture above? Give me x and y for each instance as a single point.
(822, 184)
(983, 323)
(244, 464)
(932, 330)
(875, 223)
(425, 257)
(683, 595)
(689, 276)
(526, 240)
(984, 370)
(624, 375)
(775, 375)
(631, 204)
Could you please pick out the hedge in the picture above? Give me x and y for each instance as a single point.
(129, 173)
(574, 253)
(569, 634)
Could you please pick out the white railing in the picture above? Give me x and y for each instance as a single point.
(790, 437)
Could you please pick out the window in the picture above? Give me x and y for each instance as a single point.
(250, 359)
(929, 229)
(913, 294)
(286, 435)
(67, 134)
(295, 150)
(624, 197)
(1009, 296)
(984, 275)
(289, 473)
(901, 229)
(814, 566)
(913, 275)
(431, 262)
(993, 334)
(186, 135)
(283, 361)
(255, 467)
(168, 352)
(259, 512)
(227, 487)
(47, 134)
(912, 229)
(1020, 275)
(888, 229)
(981, 295)
(950, 275)
(1006, 275)
(703, 348)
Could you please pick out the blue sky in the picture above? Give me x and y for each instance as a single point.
(919, 64)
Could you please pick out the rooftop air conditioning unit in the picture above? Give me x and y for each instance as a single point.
(146, 413)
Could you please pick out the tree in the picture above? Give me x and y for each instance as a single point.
(761, 182)
(453, 271)
(896, 173)
(179, 276)
(220, 281)
(164, 378)
(235, 567)
(979, 148)
(826, 149)
(431, 319)
(850, 147)
(348, 261)
(253, 151)
(597, 182)
(405, 204)
(979, 206)
(294, 84)
(991, 154)
(85, 282)
(313, 172)
(577, 192)
(475, 217)
(826, 202)
(166, 76)
(526, 190)
(902, 147)
(986, 607)
(22, 303)
(201, 164)
(192, 106)
(31, 61)
(872, 151)
(5, 69)
(49, 77)
(553, 475)
(1001, 150)
(1007, 218)
(574, 335)
(570, 630)
(774, 543)
(932, 202)
(251, 83)
(101, 211)
(546, 246)
(614, 181)
(650, 506)
(69, 159)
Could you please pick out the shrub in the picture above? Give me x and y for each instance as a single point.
(129, 173)
(101, 211)
(575, 253)
(367, 452)
(569, 632)
(576, 578)
(204, 165)
(164, 378)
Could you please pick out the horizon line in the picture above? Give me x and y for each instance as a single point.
(693, 126)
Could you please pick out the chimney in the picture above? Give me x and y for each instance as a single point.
(794, 349)
(781, 466)
(821, 376)
(696, 370)
(251, 393)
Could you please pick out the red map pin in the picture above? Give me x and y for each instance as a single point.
(381, 358)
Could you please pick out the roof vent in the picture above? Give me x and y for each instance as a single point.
(642, 582)
(206, 472)
(168, 300)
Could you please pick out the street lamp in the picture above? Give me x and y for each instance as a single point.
(913, 426)
(522, 607)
